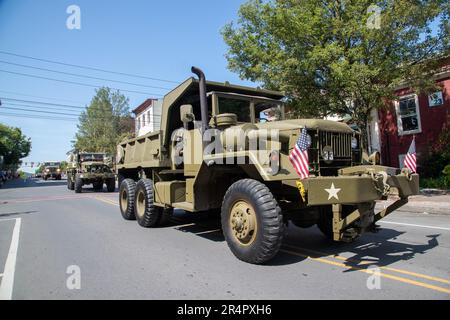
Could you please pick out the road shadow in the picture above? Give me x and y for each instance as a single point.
(370, 250)
(92, 190)
(208, 226)
(12, 214)
(380, 249)
(32, 183)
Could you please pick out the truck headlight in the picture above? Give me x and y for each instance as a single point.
(354, 143)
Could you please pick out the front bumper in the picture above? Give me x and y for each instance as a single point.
(360, 187)
(356, 189)
(96, 176)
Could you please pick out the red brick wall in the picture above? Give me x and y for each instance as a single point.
(432, 121)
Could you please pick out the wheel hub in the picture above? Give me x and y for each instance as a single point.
(140, 203)
(243, 222)
(124, 199)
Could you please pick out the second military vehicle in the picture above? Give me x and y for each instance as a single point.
(86, 168)
(52, 170)
(231, 149)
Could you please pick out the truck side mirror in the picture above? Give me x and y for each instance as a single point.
(186, 114)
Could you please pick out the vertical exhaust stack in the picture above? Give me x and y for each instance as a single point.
(203, 98)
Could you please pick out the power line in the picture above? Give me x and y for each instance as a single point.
(35, 109)
(81, 75)
(45, 103)
(77, 83)
(17, 115)
(87, 68)
(39, 97)
(24, 105)
(40, 111)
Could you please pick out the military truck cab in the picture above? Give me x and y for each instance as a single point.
(52, 170)
(88, 168)
(227, 147)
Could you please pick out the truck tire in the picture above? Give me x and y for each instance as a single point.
(78, 185)
(127, 193)
(147, 214)
(111, 185)
(70, 184)
(252, 222)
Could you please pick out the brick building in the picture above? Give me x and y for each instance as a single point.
(421, 115)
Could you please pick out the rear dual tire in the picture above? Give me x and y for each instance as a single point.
(127, 193)
(137, 202)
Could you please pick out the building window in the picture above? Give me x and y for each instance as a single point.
(408, 116)
(143, 120)
(435, 99)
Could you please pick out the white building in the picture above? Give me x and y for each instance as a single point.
(147, 117)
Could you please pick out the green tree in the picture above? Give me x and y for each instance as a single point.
(338, 57)
(104, 123)
(13, 146)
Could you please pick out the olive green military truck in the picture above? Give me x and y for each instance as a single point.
(227, 148)
(52, 170)
(86, 168)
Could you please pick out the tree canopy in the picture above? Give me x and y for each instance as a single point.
(104, 123)
(13, 146)
(338, 57)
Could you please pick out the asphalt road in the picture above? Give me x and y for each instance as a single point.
(46, 230)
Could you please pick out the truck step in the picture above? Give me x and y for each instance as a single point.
(177, 171)
(187, 206)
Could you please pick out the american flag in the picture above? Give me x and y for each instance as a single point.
(410, 158)
(299, 155)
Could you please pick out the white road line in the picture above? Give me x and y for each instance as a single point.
(6, 286)
(414, 225)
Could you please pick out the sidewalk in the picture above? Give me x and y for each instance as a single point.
(427, 202)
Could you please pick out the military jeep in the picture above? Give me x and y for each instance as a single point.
(86, 168)
(226, 148)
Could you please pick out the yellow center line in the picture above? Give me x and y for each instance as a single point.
(328, 255)
(369, 271)
(106, 201)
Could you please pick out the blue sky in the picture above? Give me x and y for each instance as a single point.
(160, 39)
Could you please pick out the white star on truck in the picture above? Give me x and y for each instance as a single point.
(333, 192)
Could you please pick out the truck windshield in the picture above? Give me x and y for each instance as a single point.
(98, 168)
(241, 108)
(265, 111)
(91, 157)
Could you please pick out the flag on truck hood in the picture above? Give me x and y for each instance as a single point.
(299, 155)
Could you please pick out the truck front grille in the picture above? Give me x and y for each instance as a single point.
(341, 143)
